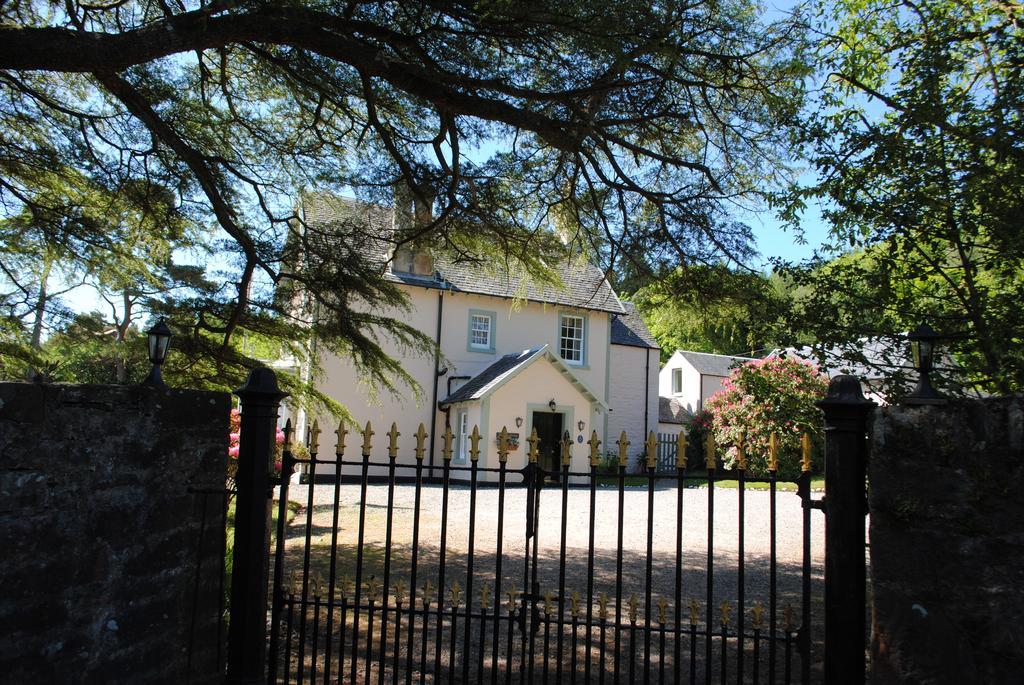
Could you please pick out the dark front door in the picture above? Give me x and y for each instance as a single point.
(549, 432)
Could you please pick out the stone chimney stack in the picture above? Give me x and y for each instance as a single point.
(412, 214)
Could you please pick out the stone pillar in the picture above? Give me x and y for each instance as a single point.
(947, 543)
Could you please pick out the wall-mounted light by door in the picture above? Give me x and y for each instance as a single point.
(581, 424)
(519, 422)
(552, 405)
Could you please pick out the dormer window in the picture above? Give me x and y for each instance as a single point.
(481, 331)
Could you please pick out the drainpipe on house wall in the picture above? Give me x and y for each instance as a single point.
(647, 386)
(437, 374)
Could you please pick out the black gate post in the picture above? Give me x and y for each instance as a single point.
(247, 635)
(846, 413)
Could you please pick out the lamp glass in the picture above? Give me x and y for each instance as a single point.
(580, 424)
(159, 340)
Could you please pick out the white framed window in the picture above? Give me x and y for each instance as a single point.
(481, 331)
(572, 330)
(677, 381)
(462, 438)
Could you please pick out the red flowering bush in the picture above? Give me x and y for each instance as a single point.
(236, 427)
(762, 397)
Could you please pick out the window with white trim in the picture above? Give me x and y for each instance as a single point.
(572, 330)
(481, 328)
(462, 443)
(677, 381)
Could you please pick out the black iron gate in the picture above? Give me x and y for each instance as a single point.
(502, 575)
(482, 617)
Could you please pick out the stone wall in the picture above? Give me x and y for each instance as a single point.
(947, 543)
(109, 573)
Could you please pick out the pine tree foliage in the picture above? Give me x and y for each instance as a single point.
(631, 127)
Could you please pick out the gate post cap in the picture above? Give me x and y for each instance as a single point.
(844, 391)
(261, 383)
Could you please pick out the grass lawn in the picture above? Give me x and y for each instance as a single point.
(817, 483)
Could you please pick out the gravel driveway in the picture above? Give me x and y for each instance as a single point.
(577, 570)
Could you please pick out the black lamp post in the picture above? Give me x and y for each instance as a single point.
(923, 343)
(159, 340)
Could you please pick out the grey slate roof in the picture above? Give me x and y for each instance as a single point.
(478, 385)
(712, 364)
(584, 284)
(671, 411)
(629, 329)
(495, 375)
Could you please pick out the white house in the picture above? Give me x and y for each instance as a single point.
(513, 355)
(690, 378)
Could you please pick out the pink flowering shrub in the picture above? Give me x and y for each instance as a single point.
(762, 397)
(236, 427)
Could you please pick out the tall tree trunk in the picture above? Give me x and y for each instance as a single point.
(121, 332)
(39, 315)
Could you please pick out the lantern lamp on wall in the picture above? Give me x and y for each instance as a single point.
(923, 343)
(159, 339)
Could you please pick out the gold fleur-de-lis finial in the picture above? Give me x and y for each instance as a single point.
(632, 608)
(694, 612)
(342, 432)
(757, 611)
(788, 618)
(372, 588)
(400, 592)
(652, 450)
(446, 443)
(421, 439)
(681, 450)
(314, 437)
(574, 604)
(805, 452)
(548, 598)
(428, 594)
(566, 449)
(662, 606)
(503, 445)
(474, 444)
(773, 452)
(393, 442)
(709, 451)
(602, 606)
(512, 593)
(367, 435)
(741, 455)
(344, 587)
(623, 443)
(456, 594)
(485, 595)
(534, 454)
(594, 445)
(725, 608)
